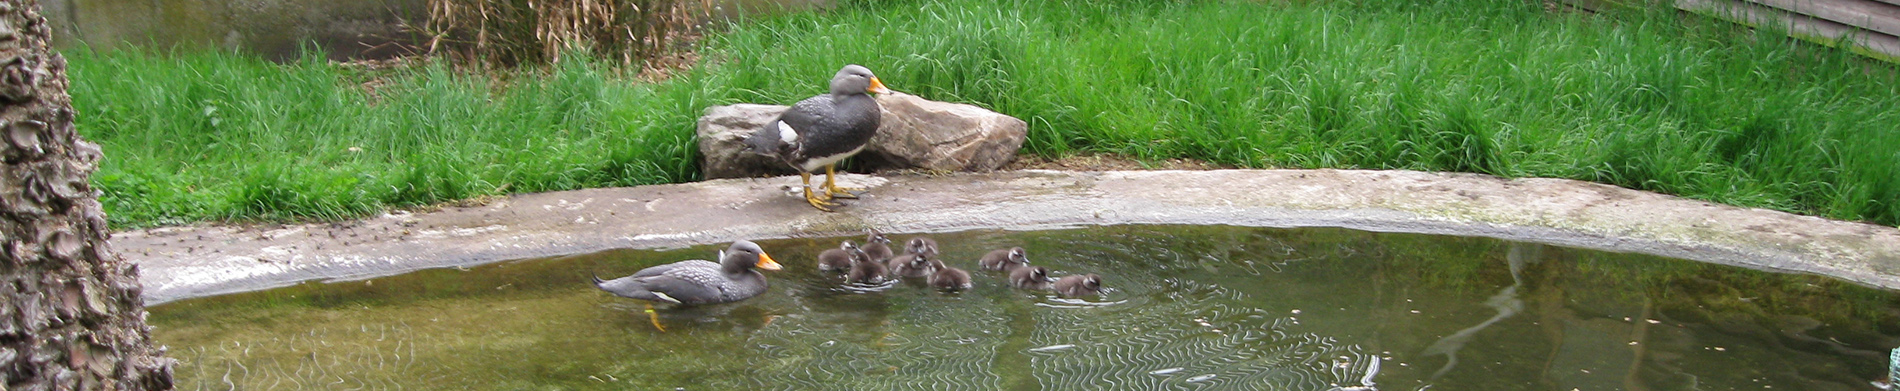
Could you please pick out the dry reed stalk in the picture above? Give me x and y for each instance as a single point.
(516, 32)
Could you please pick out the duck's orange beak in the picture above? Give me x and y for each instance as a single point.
(766, 262)
(877, 87)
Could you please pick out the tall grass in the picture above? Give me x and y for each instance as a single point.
(1643, 99)
(1647, 100)
(219, 136)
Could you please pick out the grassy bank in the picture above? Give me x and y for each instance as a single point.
(1699, 109)
(215, 136)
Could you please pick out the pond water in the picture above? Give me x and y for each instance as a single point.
(1191, 307)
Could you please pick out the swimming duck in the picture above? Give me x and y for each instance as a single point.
(950, 278)
(877, 246)
(1030, 277)
(696, 281)
(838, 259)
(822, 130)
(1004, 259)
(699, 281)
(1079, 285)
(866, 271)
(921, 245)
(914, 265)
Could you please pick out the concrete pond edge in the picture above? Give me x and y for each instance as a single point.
(202, 260)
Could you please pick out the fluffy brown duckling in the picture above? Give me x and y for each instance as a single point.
(921, 245)
(877, 246)
(913, 265)
(1030, 277)
(950, 278)
(838, 259)
(1004, 259)
(864, 270)
(1079, 285)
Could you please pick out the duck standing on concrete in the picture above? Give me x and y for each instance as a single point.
(822, 130)
(1004, 259)
(695, 282)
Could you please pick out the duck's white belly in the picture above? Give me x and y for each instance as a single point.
(818, 162)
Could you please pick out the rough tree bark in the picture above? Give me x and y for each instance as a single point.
(70, 313)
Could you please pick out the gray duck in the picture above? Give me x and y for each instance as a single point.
(822, 130)
(696, 281)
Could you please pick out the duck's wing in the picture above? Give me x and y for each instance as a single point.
(689, 285)
(662, 269)
(786, 135)
(672, 283)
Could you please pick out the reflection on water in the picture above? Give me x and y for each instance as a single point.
(1188, 308)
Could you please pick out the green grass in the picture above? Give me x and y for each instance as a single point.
(1652, 101)
(216, 136)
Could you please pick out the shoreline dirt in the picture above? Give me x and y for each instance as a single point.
(203, 260)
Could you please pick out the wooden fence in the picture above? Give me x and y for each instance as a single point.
(1870, 27)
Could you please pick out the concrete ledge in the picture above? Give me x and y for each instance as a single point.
(192, 261)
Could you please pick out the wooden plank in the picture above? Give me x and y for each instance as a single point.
(1875, 16)
(1878, 45)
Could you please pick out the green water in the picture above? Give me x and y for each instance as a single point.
(1191, 308)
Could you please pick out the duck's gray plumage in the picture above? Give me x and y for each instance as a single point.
(697, 281)
(825, 128)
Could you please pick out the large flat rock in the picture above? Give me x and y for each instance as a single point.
(182, 262)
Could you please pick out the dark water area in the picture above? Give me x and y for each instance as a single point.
(1190, 308)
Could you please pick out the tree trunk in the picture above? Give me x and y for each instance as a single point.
(70, 313)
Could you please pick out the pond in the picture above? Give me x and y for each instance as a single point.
(1189, 307)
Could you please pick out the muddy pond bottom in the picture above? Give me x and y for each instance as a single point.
(1188, 307)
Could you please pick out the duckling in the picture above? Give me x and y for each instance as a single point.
(1030, 277)
(866, 271)
(913, 265)
(838, 259)
(877, 246)
(1079, 285)
(921, 245)
(1004, 259)
(950, 278)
